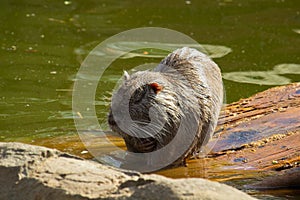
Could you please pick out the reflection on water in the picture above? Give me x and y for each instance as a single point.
(287, 68)
(273, 77)
(160, 50)
(260, 78)
(296, 31)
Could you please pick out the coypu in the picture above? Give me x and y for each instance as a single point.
(185, 83)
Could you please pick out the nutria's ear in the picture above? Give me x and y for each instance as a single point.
(126, 76)
(156, 87)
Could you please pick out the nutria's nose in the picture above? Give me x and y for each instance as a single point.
(111, 120)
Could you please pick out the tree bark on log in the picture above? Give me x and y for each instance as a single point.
(263, 133)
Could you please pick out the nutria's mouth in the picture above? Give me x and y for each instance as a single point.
(134, 144)
(140, 145)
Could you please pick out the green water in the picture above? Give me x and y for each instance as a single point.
(255, 42)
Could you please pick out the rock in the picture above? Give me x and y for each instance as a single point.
(32, 172)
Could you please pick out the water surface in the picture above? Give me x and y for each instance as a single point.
(255, 42)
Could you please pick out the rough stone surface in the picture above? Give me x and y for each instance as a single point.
(33, 172)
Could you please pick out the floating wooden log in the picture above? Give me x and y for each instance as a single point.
(263, 133)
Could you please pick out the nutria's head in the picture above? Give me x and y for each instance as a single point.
(144, 111)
